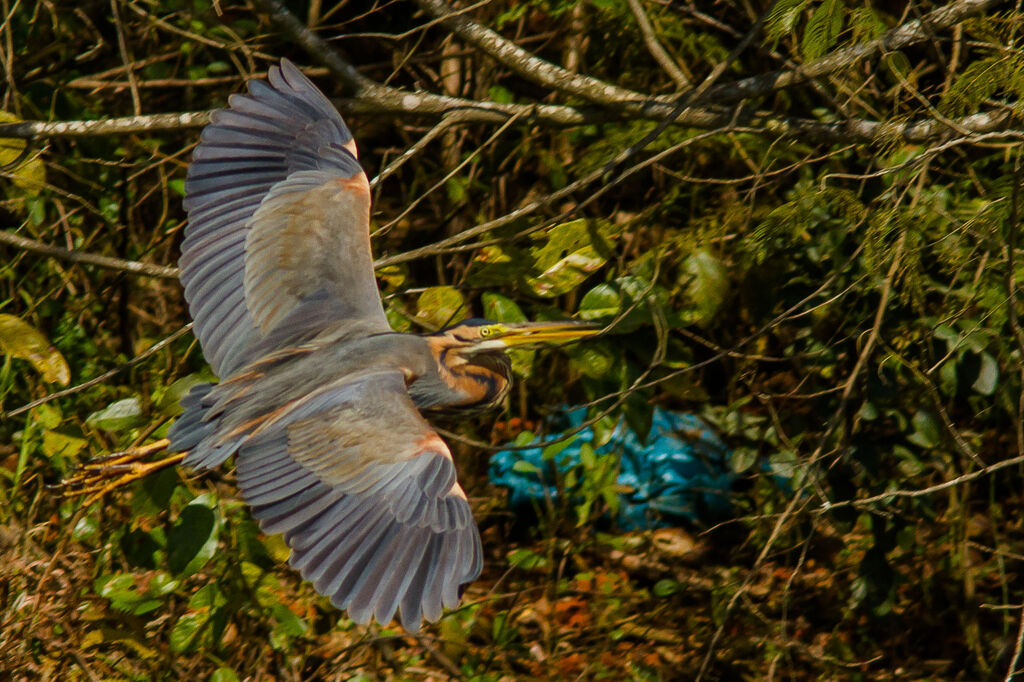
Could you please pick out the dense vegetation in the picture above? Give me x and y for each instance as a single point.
(798, 218)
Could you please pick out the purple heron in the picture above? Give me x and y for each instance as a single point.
(319, 399)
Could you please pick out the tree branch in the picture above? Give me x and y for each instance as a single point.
(616, 103)
(134, 267)
(906, 34)
(428, 105)
(525, 63)
(109, 126)
(656, 49)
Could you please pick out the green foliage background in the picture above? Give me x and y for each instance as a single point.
(842, 308)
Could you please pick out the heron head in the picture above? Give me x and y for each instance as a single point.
(471, 359)
(477, 335)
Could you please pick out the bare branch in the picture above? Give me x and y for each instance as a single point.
(371, 97)
(109, 126)
(906, 34)
(436, 106)
(134, 267)
(525, 63)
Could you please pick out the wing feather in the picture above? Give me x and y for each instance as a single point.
(257, 148)
(365, 494)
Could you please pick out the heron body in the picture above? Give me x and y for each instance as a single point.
(319, 399)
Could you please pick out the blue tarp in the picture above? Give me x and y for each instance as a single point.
(679, 475)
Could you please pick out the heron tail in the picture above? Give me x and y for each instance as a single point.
(192, 430)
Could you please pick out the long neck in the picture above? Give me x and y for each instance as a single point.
(464, 383)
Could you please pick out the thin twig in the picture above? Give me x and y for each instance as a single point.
(887, 497)
(156, 347)
(1018, 649)
(454, 118)
(450, 174)
(126, 58)
(656, 49)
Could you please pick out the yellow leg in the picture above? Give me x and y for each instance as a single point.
(101, 475)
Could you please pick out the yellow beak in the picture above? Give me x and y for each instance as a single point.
(526, 333)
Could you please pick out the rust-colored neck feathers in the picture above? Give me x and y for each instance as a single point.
(477, 380)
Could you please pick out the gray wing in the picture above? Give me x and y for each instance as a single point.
(278, 230)
(365, 494)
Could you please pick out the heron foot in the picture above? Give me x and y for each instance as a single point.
(101, 475)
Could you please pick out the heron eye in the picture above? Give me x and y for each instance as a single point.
(487, 332)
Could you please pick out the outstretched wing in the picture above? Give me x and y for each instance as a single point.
(278, 230)
(365, 494)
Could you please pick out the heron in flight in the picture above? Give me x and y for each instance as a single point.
(320, 399)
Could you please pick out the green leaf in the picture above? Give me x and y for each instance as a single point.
(57, 444)
(988, 375)
(868, 411)
(822, 29)
(524, 467)
(665, 588)
(169, 402)
(125, 594)
(594, 360)
(442, 306)
(573, 251)
(978, 81)
(47, 415)
(501, 308)
(118, 416)
(192, 541)
(926, 430)
(783, 463)
(85, 529)
(587, 456)
(162, 584)
(708, 285)
(742, 459)
(866, 23)
(21, 340)
(500, 95)
(601, 302)
(152, 495)
(566, 274)
(177, 185)
(397, 318)
(526, 559)
(288, 622)
(494, 266)
(522, 361)
(635, 294)
(224, 675)
(116, 587)
(29, 174)
(456, 188)
(393, 276)
(948, 379)
(208, 596)
(186, 631)
(783, 17)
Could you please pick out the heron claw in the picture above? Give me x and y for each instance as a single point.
(101, 475)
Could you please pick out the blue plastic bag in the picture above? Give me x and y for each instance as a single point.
(679, 475)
